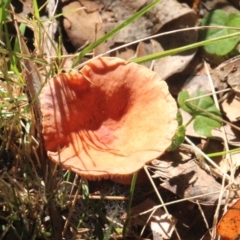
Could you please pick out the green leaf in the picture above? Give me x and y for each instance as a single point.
(219, 18)
(46, 234)
(178, 138)
(203, 125)
(98, 231)
(205, 103)
(182, 97)
(203, 110)
(179, 118)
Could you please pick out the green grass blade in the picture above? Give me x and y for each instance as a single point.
(3, 14)
(36, 9)
(217, 154)
(132, 189)
(114, 31)
(180, 49)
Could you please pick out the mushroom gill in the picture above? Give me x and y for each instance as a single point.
(108, 120)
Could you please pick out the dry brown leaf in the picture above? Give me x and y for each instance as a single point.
(227, 72)
(221, 4)
(182, 13)
(170, 65)
(118, 11)
(235, 160)
(144, 49)
(233, 135)
(125, 53)
(81, 26)
(187, 179)
(231, 107)
(182, 16)
(161, 223)
(199, 82)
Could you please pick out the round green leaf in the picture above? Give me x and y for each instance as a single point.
(219, 18)
(203, 125)
(203, 111)
(182, 97)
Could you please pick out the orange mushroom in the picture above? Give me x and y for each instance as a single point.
(108, 120)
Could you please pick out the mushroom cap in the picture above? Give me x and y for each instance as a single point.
(108, 120)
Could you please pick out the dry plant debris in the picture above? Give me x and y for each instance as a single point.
(187, 180)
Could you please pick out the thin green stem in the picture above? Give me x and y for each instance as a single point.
(192, 118)
(132, 188)
(235, 150)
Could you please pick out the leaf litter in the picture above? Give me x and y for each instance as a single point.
(191, 187)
